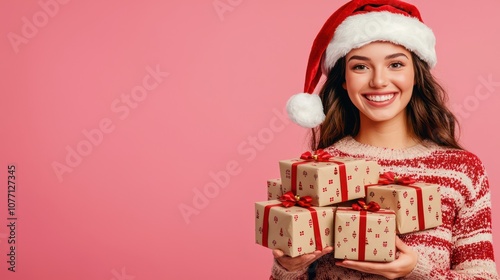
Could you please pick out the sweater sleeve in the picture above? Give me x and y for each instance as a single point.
(280, 273)
(471, 255)
(472, 251)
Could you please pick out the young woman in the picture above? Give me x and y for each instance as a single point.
(381, 102)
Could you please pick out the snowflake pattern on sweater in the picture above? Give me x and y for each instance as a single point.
(461, 248)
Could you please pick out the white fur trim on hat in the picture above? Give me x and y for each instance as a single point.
(361, 29)
(305, 109)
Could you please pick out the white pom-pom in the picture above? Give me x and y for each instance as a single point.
(305, 109)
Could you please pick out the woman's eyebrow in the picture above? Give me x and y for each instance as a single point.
(358, 57)
(364, 58)
(391, 56)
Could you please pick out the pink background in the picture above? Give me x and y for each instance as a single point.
(117, 215)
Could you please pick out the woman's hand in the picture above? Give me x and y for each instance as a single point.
(400, 267)
(299, 262)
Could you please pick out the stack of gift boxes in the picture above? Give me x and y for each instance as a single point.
(345, 203)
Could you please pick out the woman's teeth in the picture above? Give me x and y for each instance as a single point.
(380, 98)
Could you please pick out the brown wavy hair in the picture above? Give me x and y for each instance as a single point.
(427, 114)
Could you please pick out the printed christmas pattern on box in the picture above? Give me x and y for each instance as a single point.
(365, 235)
(327, 181)
(294, 230)
(372, 172)
(275, 189)
(417, 205)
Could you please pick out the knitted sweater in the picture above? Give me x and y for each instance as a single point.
(461, 248)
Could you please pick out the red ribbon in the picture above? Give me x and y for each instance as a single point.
(371, 206)
(420, 207)
(265, 225)
(289, 199)
(363, 207)
(319, 155)
(390, 178)
(294, 174)
(317, 235)
(343, 180)
(362, 235)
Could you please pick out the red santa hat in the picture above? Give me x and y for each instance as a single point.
(355, 24)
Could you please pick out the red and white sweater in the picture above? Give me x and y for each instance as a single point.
(461, 248)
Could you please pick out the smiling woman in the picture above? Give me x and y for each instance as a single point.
(380, 102)
(379, 80)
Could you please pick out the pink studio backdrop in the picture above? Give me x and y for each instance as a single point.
(118, 114)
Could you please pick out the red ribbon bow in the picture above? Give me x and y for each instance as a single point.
(372, 206)
(289, 199)
(319, 155)
(391, 178)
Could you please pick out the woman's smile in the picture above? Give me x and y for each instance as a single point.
(380, 99)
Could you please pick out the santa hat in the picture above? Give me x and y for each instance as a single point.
(355, 24)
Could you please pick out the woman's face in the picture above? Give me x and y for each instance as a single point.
(379, 79)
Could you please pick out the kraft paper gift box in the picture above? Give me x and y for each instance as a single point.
(365, 235)
(275, 189)
(417, 205)
(294, 230)
(329, 181)
(372, 172)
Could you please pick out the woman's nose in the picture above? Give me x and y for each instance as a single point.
(379, 79)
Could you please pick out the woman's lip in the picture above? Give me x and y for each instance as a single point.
(380, 103)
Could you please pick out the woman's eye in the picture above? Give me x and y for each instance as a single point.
(396, 65)
(359, 67)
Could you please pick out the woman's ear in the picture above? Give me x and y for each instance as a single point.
(344, 85)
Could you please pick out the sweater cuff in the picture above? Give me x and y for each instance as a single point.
(280, 273)
(420, 270)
